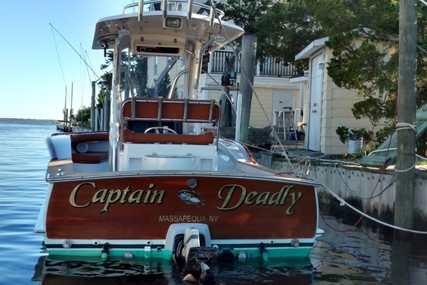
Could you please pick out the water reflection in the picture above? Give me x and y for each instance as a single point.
(52, 271)
(291, 271)
(60, 272)
(360, 256)
(367, 255)
(400, 257)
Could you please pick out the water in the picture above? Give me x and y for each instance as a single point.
(367, 255)
(23, 161)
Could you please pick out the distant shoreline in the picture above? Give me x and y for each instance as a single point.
(23, 119)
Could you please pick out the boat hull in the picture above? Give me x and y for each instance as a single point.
(135, 213)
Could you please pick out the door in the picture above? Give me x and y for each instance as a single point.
(316, 86)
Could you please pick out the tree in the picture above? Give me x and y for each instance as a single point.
(164, 86)
(283, 28)
(139, 75)
(134, 73)
(83, 115)
(246, 13)
(105, 83)
(369, 64)
(100, 99)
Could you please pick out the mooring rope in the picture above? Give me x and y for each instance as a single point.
(343, 202)
(400, 126)
(393, 178)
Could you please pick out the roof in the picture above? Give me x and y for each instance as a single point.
(165, 31)
(312, 48)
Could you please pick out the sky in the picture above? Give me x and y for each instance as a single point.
(32, 83)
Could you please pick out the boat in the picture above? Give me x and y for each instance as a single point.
(162, 183)
(63, 126)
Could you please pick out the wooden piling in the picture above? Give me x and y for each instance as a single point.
(246, 83)
(405, 178)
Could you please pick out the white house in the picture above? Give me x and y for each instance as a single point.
(326, 106)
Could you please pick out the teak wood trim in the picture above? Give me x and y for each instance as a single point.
(200, 139)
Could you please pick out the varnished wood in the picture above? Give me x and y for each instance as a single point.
(124, 220)
(170, 110)
(130, 136)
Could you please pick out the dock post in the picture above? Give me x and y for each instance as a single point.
(405, 166)
(92, 107)
(246, 83)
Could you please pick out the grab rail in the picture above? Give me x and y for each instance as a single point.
(174, 5)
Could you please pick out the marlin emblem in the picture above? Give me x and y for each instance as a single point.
(190, 197)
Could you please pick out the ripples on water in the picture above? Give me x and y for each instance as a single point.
(23, 159)
(363, 256)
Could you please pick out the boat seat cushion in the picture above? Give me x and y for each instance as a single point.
(99, 155)
(90, 157)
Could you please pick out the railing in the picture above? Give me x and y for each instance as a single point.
(217, 60)
(174, 5)
(268, 66)
(274, 67)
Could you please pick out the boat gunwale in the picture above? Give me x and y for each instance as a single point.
(179, 173)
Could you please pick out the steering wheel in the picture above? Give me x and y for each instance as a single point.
(160, 130)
